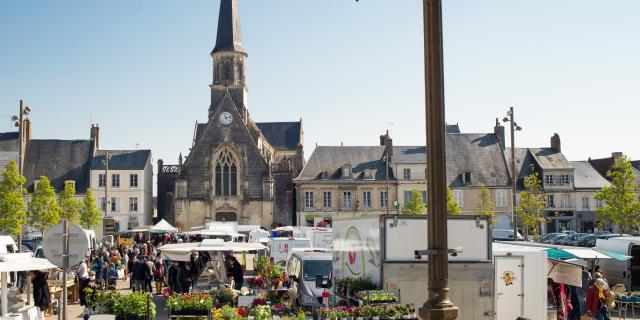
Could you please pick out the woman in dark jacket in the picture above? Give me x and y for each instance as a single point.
(185, 277)
(41, 295)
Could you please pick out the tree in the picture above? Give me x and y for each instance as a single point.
(530, 210)
(44, 210)
(622, 206)
(452, 205)
(485, 204)
(416, 204)
(12, 206)
(69, 205)
(89, 213)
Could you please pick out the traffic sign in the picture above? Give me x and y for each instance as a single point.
(53, 244)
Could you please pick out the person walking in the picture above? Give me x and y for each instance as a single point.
(97, 268)
(158, 275)
(83, 280)
(152, 270)
(41, 294)
(172, 275)
(141, 273)
(131, 265)
(596, 304)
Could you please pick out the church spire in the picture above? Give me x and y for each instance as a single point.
(229, 36)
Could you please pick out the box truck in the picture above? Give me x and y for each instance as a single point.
(521, 285)
(622, 272)
(383, 249)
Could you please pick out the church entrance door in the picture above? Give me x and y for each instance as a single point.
(226, 216)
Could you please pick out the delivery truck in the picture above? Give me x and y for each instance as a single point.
(320, 237)
(383, 249)
(621, 272)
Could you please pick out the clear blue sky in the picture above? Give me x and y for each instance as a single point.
(141, 68)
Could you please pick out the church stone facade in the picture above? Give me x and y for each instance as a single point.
(237, 169)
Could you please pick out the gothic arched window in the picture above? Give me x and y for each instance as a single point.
(227, 71)
(226, 175)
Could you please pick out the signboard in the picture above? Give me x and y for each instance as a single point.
(356, 249)
(53, 242)
(109, 227)
(565, 273)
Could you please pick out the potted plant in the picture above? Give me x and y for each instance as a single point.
(262, 312)
(194, 304)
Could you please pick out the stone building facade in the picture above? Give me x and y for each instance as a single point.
(237, 169)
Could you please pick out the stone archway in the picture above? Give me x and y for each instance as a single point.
(226, 216)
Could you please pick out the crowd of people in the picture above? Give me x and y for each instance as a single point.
(593, 299)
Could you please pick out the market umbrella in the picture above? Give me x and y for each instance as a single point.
(12, 262)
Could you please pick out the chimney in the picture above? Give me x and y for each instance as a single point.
(95, 137)
(27, 130)
(555, 143)
(616, 155)
(499, 132)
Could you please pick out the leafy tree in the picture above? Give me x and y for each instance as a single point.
(89, 213)
(12, 206)
(530, 210)
(69, 205)
(44, 210)
(452, 205)
(485, 204)
(416, 204)
(622, 203)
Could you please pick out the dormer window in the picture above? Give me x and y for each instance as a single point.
(324, 175)
(368, 174)
(466, 177)
(346, 171)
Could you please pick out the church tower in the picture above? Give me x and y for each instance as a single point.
(229, 58)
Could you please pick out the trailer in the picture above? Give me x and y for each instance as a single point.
(320, 237)
(617, 271)
(383, 249)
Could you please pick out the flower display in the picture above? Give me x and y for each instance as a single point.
(189, 304)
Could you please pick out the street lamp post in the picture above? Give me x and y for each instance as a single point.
(438, 305)
(107, 157)
(514, 127)
(19, 122)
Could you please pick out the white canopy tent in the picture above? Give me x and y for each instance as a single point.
(182, 251)
(13, 262)
(162, 227)
(216, 233)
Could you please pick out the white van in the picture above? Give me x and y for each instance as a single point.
(621, 272)
(7, 245)
(279, 247)
(302, 269)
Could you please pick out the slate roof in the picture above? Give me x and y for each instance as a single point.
(330, 159)
(121, 159)
(281, 135)
(409, 154)
(636, 164)
(229, 37)
(586, 177)
(548, 158)
(200, 130)
(604, 165)
(452, 128)
(59, 160)
(478, 153)
(8, 149)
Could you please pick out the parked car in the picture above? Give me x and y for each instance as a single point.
(504, 235)
(588, 241)
(554, 237)
(578, 239)
(557, 239)
(547, 236)
(569, 239)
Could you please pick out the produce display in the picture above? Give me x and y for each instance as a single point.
(132, 306)
(347, 287)
(376, 296)
(372, 312)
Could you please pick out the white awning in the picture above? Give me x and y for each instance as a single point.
(163, 226)
(206, 232)
(12, 262)
(585, 253)
(182, 251)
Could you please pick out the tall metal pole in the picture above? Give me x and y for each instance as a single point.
(107, 156)
(20, 146)
(438, 306)
(65, 268)
(514, 180)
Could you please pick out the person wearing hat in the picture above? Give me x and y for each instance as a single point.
(595, 304)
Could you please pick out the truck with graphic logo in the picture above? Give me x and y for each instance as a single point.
(383, 249)
(279, 247)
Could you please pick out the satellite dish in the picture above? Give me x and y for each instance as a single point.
(53, 242)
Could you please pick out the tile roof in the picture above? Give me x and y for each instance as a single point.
(604, 165)
(59, 160)
(122, 159)
(586, 177)
(8, 149)
(478, 153)
(330, 159)
(281, 135)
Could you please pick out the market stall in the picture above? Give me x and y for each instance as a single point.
(15, 262)
(162, 227)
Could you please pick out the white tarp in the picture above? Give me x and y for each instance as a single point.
(219, 233)
(182, 251)
(586, 253)
(12, 262)
(566, 273)
(163, 226)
